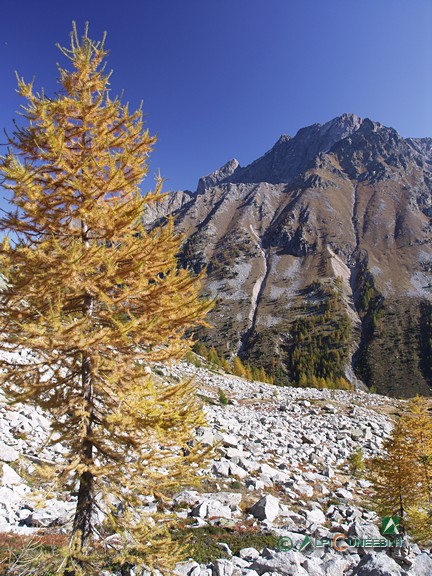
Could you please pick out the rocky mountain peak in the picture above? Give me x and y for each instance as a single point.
(219, 176)
(288, 157)
(338, 129)
(283, 139)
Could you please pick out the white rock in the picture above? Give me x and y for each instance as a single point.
(249, 553)
(7, 453)
(216, 509)
(189, 568)
(336, 566)
(8, 497)
(315, 516)
(267, 508)
(364, 531)
(227, 439)
(304, 490)
(231, 499)
(223, 568)
(343, 494)
(189, 497)
(200, 511)
(313, 567)
(284, 563)
(378, 565)
(237, 471)
(221, 468)
(9, 476)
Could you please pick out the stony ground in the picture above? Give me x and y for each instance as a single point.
(281, 468)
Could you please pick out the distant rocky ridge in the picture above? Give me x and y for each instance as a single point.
(336, 219)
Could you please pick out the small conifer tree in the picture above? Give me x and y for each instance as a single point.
(401, 477)
(238, 367)
(95, 299)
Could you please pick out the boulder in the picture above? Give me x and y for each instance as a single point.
(188, 497)
(9, 476)
(313, 567)
(336, 566)
(364, 531)
(421, 566)
(267, 508)
(7, 453)
(211, 509)
(378, 565)
(231, 499)
(236, 470)
(249, 553)
(223, 568)
(189, 568)
(283, 563)
(221, 468)
(315, 516)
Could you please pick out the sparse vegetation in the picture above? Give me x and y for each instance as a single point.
(236, 367)
(204, 543)
(223, 399)
(356, 463)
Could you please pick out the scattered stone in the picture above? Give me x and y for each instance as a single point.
(249, 553)
(223, 568)
(9, 476)
(7, 453)
(267, 508)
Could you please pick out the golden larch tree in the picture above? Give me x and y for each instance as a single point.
(401, 477)
(95, 299)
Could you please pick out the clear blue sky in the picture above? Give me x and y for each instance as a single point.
(225, 78)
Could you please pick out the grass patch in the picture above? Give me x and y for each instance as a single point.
(39, 555)
(204, 543)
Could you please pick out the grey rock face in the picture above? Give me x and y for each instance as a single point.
(223, 174)
(378, 565)
(421, 566)
(290, 156)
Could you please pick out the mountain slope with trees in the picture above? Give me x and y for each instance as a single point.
(328, 234)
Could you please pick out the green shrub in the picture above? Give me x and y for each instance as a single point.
(204, 543)
(356, 463)
(223, 398)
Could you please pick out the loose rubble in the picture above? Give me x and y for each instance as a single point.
(280, 466)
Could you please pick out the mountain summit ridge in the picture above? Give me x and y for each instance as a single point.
(271, 166)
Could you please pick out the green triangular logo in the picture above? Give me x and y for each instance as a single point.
(306, 542)
(390, 525)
